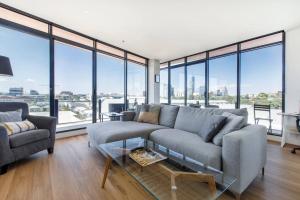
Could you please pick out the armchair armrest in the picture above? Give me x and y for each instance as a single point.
(6, 155)
(128, 116)
(43, 122)
(244, 155)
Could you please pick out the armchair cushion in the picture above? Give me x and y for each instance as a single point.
(27, 137)
(11, 116)
(18, 127)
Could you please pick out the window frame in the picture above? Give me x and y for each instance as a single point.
(238, 65)
(52, 38)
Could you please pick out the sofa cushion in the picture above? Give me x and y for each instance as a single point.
(210, 126)
(137, 112)
(240, 112)
(27, 137)
(233, 123)
(149, 114)
(191, 119)
(18, 127)
(148, 117)
(111, 131)
(11, 116)
(168, 114)
(190, 145)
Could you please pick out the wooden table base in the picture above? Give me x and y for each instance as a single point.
(107, 167)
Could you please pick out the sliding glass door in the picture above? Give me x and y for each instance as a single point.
(73, 84)
(223, 81)
(177, 86)
(29, 58)
(110, 84)
(261, 82)
(196, 84)
(136, 84)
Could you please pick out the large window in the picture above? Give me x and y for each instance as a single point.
(110, 83)
(66, 83)
(164, 85)
(223, 81)
(234, 76)
(73, 84)
(29, 57)
(196, 84)
(136, 84)
(256, 87)
(177, 86)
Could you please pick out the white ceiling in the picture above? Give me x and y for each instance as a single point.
(167, 29)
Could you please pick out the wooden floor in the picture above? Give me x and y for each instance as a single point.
(74, 171)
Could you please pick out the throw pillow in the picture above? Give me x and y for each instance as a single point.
(140, 108)
(11, 116)
(148, 117)
(233, 123)
(149, 114)
(18, 127)
(211, 126)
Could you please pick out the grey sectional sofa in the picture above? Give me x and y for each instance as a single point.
(242, 153)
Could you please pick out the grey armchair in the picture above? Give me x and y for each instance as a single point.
(21, 145)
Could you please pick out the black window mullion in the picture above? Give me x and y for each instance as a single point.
(94, 84)
(238, 94)
(283, 71)
(207, 79)
(147, 84)
(185, 81)
(125, 81)
(169, 85)
(53, 110)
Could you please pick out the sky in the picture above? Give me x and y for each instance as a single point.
(29, 56)
(261, 71)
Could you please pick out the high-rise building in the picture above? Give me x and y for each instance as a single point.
(34, 92)
(16, 91)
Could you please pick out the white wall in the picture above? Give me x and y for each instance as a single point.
(153, 68)
(292, 76)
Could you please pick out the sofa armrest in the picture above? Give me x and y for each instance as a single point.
(6, 155)
(43, 122)
(128, 116)
(244, 154)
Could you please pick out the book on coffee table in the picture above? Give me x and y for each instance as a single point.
(145, 157)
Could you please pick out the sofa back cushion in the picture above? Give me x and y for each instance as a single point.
(189, 119)
(168, 114)
(11, 116)
(149, 114)
(12, 106)
(239, 112)
(233, 123)
(210, 126)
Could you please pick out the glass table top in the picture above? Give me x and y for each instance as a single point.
(156, 178)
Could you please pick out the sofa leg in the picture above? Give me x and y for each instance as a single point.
(3, 169)
(50, 150)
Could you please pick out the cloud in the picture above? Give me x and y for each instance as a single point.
(30, 80)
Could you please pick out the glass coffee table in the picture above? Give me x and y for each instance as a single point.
(178, 177)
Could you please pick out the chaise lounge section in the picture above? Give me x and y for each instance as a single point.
(242, 154)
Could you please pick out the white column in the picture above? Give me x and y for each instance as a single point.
(153, 69)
